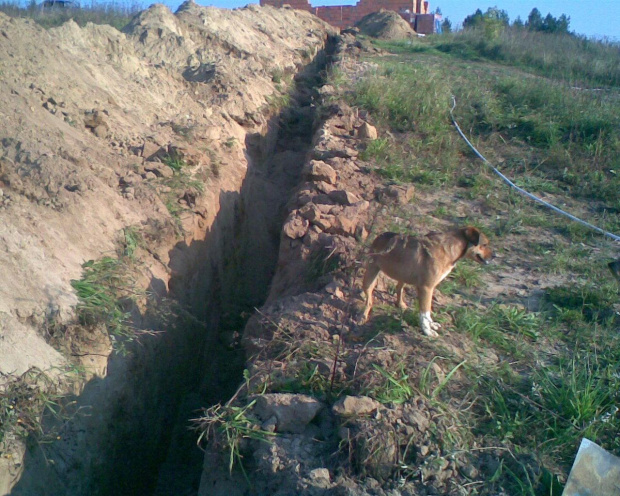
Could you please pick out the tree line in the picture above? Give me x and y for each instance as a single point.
(499, 18)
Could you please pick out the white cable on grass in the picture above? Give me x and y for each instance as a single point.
(521, 190)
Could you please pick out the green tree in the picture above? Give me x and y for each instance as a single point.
(549, 24)
(534, 20)
(518, 23)
(493, 21)
(474, 20)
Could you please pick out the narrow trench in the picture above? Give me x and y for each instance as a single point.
(132, 437)
(242, 283)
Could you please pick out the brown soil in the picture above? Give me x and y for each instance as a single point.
(89, 116)
(385, 25)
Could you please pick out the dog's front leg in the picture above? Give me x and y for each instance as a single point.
(425, 297)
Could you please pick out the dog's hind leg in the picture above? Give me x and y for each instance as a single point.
(400, 302)
(425, 298)
(368, 286)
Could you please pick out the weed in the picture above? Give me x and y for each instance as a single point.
(229, 426)
(466, 274)
(276, 75)
(181, 183)
(104, 292)
(23, 400)
(175, 163)
(593, 302)
(186, 131)
(320, 264)
(310, 380)
(425, 378)
(499, 326)
(396, 389)
(132, 240)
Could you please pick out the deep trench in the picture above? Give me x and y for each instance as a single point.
(131, 436)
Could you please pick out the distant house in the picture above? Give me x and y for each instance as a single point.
(59, 4)
(415, 12)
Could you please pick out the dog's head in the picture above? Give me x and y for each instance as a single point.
(477, 245)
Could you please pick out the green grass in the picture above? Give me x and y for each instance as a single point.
(100, 292)
(593, 301)
(228, 426)
(107, 291)
(508, 328)
(566, 57)
(396, 388)
(567, 139)
(182, 181)
(543, 379)
(23, 400)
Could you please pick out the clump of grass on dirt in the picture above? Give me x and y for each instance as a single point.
(107, 290)
(182, 181)
(230, 426)
(23, 400)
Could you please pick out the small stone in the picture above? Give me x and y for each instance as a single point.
(367, 132)
(469, 471)
(295, 226)
(349, 406)
(270, 424)
(320, 477)
(317, 170)
(399, 194)
(101, 131)
(292, 411)
(343, 197)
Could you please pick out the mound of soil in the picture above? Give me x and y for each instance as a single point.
(385, 25)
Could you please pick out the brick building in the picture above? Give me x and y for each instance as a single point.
(343, 16)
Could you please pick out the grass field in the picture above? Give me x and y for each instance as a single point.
(544, 109)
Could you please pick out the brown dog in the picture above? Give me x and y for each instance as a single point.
(423, 263)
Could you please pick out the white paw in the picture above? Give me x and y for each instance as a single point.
(429, 327)
(430, 332)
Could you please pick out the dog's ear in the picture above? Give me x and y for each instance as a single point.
(472, 235)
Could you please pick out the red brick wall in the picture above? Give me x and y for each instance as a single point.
(347, 15)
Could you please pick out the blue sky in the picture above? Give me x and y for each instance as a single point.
(600, 18)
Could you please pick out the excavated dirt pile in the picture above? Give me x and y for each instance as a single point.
(146, 152)
(385, 25)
